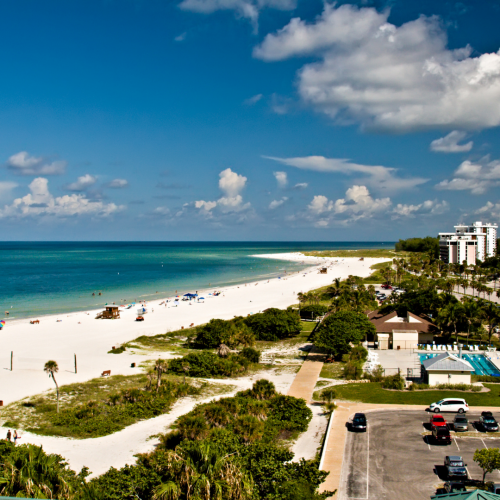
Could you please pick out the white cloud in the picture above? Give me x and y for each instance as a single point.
(181, 37)
(277, 203)
(429, 207)
(491, 209)
(6, 187)
(231, 184)
(161, 211)
(385, 76)
(118, 183)
(300, 185)
(40, 202)
(82, 183)
(473, 177)
(378, 177)
(247, 9)
(449, 143)
(281, 178)
(357, 204)
(23, 164)
(252, 100)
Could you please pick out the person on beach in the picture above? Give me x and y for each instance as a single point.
(16, 437)
(9, 435)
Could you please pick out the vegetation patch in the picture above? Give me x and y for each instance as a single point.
(377, 253)
(208, 365)
(98, 407)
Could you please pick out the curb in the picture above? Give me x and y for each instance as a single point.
(325, 442)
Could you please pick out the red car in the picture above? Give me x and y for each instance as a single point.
(438, 421)
(386, 287)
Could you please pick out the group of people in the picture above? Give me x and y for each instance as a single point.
(14, 436)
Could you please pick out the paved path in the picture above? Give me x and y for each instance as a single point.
(305, 380)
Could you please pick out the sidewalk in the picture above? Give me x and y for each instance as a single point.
(305, 380)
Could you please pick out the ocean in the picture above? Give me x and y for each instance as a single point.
(39, 278)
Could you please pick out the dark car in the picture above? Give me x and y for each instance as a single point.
(358, 422)
(441, 435)
(455, 467)
(452, 487)
(460, 423)
(488, 422)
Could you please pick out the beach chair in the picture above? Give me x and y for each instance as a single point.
(433, 347)
(428, 347)
(442, 347)
(476, 348)
(449, 347)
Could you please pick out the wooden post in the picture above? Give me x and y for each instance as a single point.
(76, 366)
(11, 359)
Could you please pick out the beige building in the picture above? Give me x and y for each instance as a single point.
(395, 332)
(446, 368)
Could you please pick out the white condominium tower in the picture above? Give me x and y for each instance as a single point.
(468, 243)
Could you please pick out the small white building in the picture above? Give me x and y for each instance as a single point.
(447, 368)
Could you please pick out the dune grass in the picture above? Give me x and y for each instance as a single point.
(389, 253)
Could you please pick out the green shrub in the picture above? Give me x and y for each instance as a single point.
(216, 332)
(207, 364)
(274, 324)
(393, 382)
(313, 311)
(117, 350)
(251, 354)
(291, 413)
(485, 378)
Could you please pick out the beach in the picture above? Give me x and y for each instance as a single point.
(90, 340)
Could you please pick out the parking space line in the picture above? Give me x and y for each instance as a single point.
(454, 439)
(483, 443)
(367, 458)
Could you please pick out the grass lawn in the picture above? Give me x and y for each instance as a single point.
(171, 341)
(332, 370)
(37, 413)
(373, 393)
(389, 253)
(307, 326)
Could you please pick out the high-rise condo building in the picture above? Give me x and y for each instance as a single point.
(468, 243)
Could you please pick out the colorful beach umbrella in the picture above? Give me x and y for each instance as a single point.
(2, 323)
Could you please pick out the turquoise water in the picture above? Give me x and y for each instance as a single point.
(481, 364)
(56, 277)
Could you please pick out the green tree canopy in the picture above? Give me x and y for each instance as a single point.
(488, 459)
(274, 324)
(216, 332)
(339, 330)
(428, 245)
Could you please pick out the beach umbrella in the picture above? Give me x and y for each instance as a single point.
(2, 323)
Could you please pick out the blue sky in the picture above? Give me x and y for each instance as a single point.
(247, 119)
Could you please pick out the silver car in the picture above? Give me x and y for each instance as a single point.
(460, 423)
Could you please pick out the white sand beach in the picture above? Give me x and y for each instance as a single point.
(90, 339)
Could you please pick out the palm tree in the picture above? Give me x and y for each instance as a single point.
(201, 472)
(33, 474)
(50, 368)
(249, 428)
(263, 389)
(328, 394)
(492, 316)
(160, 367)
(472, 312)
(451, 316)
(223, 351)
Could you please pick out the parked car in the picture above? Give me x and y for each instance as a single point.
(386, 287)
(455, 467)
(441, 435)
(358, 422)
(460, 423)
(488, 422)
(454, 487)
(437, 421)
(450, 404)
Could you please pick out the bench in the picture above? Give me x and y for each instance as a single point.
(106, 373)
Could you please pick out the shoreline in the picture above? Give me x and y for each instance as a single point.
(90, 340)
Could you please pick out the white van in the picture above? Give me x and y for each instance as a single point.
(450, 404)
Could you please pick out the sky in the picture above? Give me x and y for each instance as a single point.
(247, 120)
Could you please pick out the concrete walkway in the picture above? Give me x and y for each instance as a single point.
(305, 380)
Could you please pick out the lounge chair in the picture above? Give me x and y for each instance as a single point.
(433, 347)
(428, 347)
(449, 348)
(476, 348)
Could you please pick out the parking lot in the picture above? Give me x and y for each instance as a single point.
(396, 459)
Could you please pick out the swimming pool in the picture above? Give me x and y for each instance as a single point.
(481, 364)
